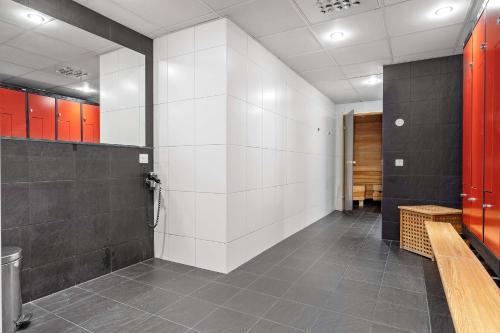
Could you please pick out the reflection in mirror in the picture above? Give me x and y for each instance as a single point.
(59, 82)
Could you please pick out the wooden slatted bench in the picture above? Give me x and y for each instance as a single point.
(473, 297)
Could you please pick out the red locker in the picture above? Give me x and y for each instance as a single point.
(467, 109)
(475, 198)
(12, 113)
(41, 117)
(91, 123)
(492, 130)
(68, 120)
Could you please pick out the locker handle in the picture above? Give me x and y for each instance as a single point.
(84, 119)
(31, 110)
(472, 199)
(487, 206)
(463, 195)
(59, 114)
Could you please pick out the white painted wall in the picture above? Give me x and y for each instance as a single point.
(237, 141)
(341, 109)
(122, 99)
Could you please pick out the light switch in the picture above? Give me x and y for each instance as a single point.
(399, 162)
(143, 158)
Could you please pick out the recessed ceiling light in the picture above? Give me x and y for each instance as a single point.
(35, 18)
(372, 80)
(336, 36)
(444, 11)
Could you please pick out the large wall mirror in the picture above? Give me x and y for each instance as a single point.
(59, 82)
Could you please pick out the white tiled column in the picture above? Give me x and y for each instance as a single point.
(236, 140)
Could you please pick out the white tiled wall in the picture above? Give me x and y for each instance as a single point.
(122, 99)
(245, 145)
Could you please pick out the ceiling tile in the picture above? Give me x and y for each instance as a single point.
(360, 82)
(264, 17)
(370, 93)
(323, 75)
(392, 2)
(220, 4)
(15, 13)
(342, 96)
(183, 25)
(362, 53)
(121, 15)
(310, 61)
(364, 69)
(46, 46)
(425, 55)
(427, 41)
(290, 43)
(23, 58)
(8, 31)
(333, 85)
(165, 12)
(73, 35)
(8, 69)
(357, 29)
(41, 80)
(314, 15)
(419, 15)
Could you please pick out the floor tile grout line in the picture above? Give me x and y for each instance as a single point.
(304, 244)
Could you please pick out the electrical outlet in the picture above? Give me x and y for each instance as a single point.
(399, 162)
(143, 158)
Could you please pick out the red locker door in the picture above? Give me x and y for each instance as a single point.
(91, 123)
(12, 113)
(477, 134)
(41, 117)
(68, 121)
(492, 130)
(467, 109)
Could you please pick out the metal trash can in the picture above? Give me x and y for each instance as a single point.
(11, 287)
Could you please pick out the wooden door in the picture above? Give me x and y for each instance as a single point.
(477, 133)
(41, 117)
(68, 120)
(91, 123)
(12, 113)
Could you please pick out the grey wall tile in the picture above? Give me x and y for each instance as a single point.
(430, 142)
(15, 205)
(53, 241)
(51, 161)
(14, 160)
(51, 201)
(92, 264)
(93, 232)
(92, 162)
(52, 277)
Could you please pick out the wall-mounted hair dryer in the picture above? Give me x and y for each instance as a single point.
(153, 182)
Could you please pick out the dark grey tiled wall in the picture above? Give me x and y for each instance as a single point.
(428, 96)
(78, 211)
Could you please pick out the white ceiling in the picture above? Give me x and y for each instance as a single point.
(31, 53)
(377, 32)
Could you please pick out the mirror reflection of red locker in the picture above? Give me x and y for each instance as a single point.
(68, 120)
(41, 111)
(12, 113)
(91, 123)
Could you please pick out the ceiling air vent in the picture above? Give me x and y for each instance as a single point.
(69, 71)
(329, 6)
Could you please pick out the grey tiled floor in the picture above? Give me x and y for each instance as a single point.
(336, 275)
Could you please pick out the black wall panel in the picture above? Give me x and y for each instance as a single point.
(427, 95)
(77, 210)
